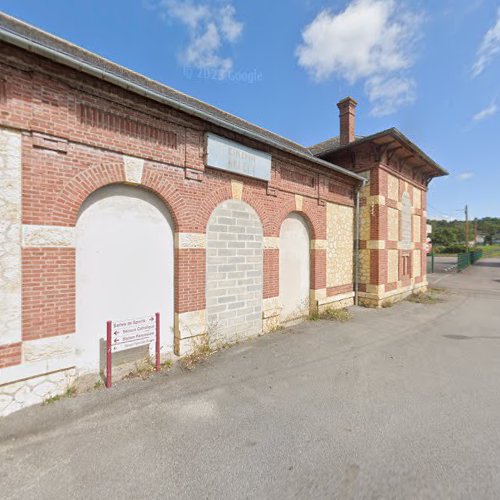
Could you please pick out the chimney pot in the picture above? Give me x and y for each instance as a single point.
(347, 108)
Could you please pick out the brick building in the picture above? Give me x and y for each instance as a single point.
(120, 196)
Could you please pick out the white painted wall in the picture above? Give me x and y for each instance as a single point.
(124, 267)
(294, 267)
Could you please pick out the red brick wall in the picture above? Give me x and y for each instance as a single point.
(76, 130)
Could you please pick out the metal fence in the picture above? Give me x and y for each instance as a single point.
(466, 259)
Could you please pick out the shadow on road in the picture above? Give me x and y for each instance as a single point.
(487, 264)
(466, 337)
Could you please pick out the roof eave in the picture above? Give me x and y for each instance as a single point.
(70, 61)
(399, 136)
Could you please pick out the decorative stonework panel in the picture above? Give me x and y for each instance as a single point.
(417, 225)
(48, 236)
(340, 237)
(392, 224)
(133, 169)
(10, 237)
(392, 266)
(234, 272)
(406, 222)
(190, 240)
(417, 263)
(392, 187)
(417, 198)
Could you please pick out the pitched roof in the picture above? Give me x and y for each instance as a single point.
(385, 137)
(328, 146)
(28, 37)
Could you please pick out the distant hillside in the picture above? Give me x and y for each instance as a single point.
(451, 232)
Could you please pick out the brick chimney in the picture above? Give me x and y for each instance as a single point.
(347, 109)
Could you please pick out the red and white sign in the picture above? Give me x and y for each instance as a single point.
(135, 332)
(129, 333)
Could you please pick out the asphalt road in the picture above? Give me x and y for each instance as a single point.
(399, 403)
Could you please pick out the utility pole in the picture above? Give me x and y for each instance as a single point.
(475, 231)
(466, 227)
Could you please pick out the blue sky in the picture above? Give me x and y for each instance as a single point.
(428, 67)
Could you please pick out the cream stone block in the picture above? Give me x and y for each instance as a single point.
(365, 266)
(271, 242)
(317, 295)
(365, 226)
(405, 246)
(190, 324)
(24, 393)
(417, 228)
(417, 263)
(299, 202)
(392, 266)
(335, 298)
(392, 224)
(417, 198)
(271, 307)
(133, 169)
(50, 347)
(375, 289)
(340, 243)
(237, 190)
(190, 240)
(375, 244)
(393, 187)
(376, 200)
(48, 236)
(10, 236)
(319, 244)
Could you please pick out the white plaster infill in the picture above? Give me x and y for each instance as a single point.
(271, 242)
(34, 236)
(133, 169)
(190, 240)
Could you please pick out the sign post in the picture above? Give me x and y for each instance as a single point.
(130, 333)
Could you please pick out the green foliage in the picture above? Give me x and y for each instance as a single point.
(452, 233)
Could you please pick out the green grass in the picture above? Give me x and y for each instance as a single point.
(331, 314)
(69, 393)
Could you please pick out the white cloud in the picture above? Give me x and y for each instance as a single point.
(486, 112)
(371, 40)
(465, 176)
(489, 48)
(211, 25)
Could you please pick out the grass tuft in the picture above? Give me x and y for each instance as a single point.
(331, 314)
(429, 297)
(69, 393)
(200, 353)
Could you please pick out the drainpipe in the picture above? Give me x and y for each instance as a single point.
(356, 248)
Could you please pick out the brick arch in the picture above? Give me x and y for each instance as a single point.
(70, 199)
(263, 212)
(289, 207)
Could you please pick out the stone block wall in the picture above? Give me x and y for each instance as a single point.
(234, 272)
